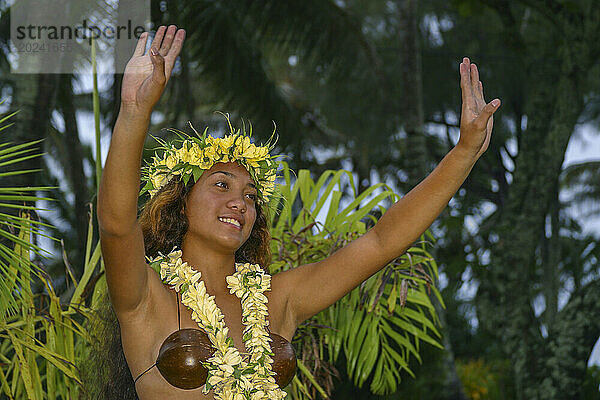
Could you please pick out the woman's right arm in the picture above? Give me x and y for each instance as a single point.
(144, 80)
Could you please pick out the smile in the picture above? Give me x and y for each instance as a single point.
(231, 221)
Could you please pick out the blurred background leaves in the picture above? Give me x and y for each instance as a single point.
(372, 87)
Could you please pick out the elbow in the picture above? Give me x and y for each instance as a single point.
(390, 245)
(113, 223)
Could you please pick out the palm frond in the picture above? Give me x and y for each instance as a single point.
(583, 181)
(378, 326)
(17, 207)
(232, 47)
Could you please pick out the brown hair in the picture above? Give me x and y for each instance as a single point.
(164, 225)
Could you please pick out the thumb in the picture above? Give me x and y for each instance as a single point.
(158, 72)
(486, 112)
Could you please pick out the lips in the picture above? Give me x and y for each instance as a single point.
(232, 221)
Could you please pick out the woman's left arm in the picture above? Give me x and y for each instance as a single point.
(313, 287)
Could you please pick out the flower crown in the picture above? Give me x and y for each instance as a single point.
(189, 156)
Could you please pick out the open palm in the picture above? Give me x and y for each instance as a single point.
(146, 75)
(476, 119)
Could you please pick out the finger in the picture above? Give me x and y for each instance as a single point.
(468, 98)
(158, 37)
(475, 85)
(486, 142)
(484, 116)
(168, 39)
(176, 46)
(480, 91)
(464, 80)
(141, 45)
(158, 72)
(474, 78)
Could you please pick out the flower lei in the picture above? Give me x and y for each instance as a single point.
(189, 156)
(231, 376)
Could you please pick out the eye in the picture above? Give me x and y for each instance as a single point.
(222, 184)
(252, 196)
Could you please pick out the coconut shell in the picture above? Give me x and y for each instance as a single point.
(284, 361)
(180, 358)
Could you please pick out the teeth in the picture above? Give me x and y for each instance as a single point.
(231, 221)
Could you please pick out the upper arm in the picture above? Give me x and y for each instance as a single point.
(313, 287)
(126, 268)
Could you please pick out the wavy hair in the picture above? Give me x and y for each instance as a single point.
(164, 226)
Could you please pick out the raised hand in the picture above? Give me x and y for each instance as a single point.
(476, 120)
(146, 75)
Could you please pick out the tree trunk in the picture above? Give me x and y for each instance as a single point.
(506, 291)
(34, 97)
(411, 109)
(575, 332)
(73, 164)
(415, 161)
(551, 259)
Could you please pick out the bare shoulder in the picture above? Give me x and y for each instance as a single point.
(144, 329)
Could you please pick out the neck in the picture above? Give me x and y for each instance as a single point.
(215, 266)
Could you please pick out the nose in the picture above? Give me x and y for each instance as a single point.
(237, 203)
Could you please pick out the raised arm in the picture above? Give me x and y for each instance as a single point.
(144, 80)
(313, 287)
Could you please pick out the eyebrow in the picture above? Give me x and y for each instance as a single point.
(229, 174)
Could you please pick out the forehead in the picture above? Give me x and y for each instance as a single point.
(231, 169)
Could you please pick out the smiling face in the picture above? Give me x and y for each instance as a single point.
(221, 207)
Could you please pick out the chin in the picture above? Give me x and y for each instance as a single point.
(230, 243)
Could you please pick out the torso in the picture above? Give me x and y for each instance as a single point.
(143, 333)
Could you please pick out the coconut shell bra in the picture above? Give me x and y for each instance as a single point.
(182, 356)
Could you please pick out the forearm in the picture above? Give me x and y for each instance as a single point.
(408, 218)
(119, 189)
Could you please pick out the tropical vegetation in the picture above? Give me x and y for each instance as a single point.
(369, 87)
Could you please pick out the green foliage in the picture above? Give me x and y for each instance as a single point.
(42, 337)
(482, 380)
(15, 223)
(379, 325)
(42, 344)
(591, 385)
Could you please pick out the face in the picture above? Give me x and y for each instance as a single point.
(221, 206)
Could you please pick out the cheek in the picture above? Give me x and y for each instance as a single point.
(251, 220)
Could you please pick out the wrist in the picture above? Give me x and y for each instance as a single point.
(134, 111)
(465, 152)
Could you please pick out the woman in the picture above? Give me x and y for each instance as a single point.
(221, 210)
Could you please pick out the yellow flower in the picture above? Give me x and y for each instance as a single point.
(207, 157)
(260, 395)
(195, 154)
(184, 154)
(159, 180)
(251, 282)
(210, 151)
(215, 380)
(243, 147)
(171, 161)
(233, 283)
(210, 140)
(226, 143)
